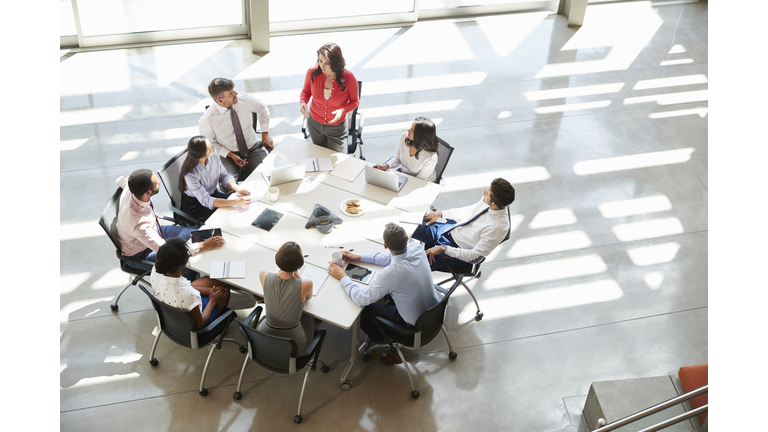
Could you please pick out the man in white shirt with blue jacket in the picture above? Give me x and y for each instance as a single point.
(406, 279)
(470, 233)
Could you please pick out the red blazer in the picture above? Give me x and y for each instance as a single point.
(321, 109)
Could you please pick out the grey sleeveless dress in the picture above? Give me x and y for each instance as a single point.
(284, 317)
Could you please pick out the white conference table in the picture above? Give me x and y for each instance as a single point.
(244, 242)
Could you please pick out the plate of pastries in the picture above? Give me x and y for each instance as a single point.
(352, 207)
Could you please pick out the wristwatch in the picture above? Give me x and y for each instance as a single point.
(443, 247)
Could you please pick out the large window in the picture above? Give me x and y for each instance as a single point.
(111, 22)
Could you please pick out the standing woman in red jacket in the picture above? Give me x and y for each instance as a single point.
(334, 94)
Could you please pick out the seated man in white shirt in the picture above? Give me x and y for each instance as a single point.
(138, 229)
(470, 233)
(228, 123)
(406, 280)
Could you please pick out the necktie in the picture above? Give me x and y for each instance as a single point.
(241, 147)
(157, 221)
(468, 221)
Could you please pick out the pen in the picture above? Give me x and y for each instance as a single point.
(335, 247)
(306, 256)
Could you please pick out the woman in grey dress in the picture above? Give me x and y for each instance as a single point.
(284, 296)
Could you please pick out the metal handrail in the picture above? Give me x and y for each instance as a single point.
(659, 407)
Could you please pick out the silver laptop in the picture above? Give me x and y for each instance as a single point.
(385, 179)
(285, 174)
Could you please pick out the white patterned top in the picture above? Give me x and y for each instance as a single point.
(177, 292)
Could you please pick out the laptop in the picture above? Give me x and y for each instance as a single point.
(285, 174)
(384, 179)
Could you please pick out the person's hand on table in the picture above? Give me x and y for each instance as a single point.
(338, 114)
(303, 109)
(382, 167)
(212, 243)
(237, 160)
(433, 217)
(349, 256)
(244, 201)
(433, 252)
(335, 271)
(267, 141)
(242, 192)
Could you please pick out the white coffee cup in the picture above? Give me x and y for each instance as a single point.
(336, 258)
(273, 193)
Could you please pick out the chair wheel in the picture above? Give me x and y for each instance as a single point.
(479, 316)
(237, 395)
(153, 362)
(204, 392)
(346, 385)
(325, 368)
(113, 307)
(452, 355)
(297, 419)
(415, 394)
(243, 349)
(366, 357)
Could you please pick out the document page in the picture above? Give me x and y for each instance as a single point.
(228, 270)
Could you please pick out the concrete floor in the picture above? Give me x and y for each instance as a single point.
(602, 130)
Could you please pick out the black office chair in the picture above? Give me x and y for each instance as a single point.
(461, 270)
(427, 327)
(278, 354)
(169, 177)
(181, 327)
(108, 222)
(444, 152)
(356, 120)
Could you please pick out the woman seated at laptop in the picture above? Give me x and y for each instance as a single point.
(200, 175)
(205, 298)
(284, 296)
(416, 152)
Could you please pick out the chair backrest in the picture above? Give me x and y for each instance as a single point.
(108, 219)
(352, 122)
(179, 325)
(444, 151)
(430, 323)
(270, 352)
(169, 176)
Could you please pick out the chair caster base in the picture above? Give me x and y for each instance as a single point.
(325, 368)
(346, 385)
(153, 362)
(415, 394)
(366, 357)
(113, 307)
(243, 349)
(452, 355)
(479, 316)
(297, 419)
(204, 392)
(237, 395)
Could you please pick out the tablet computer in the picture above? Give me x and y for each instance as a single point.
(202, 235)
(360, 274)
(267, 219)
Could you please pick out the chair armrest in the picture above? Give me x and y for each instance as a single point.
(316, 343)
(227, 317)
(166, 218)
(192, 220)
(253, 316)
(136, 260)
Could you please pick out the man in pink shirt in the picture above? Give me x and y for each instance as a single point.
(138, 229)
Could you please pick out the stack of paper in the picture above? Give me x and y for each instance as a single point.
(318, 164)
(347, 168)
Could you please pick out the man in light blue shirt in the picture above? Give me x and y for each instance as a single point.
(406, 279)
